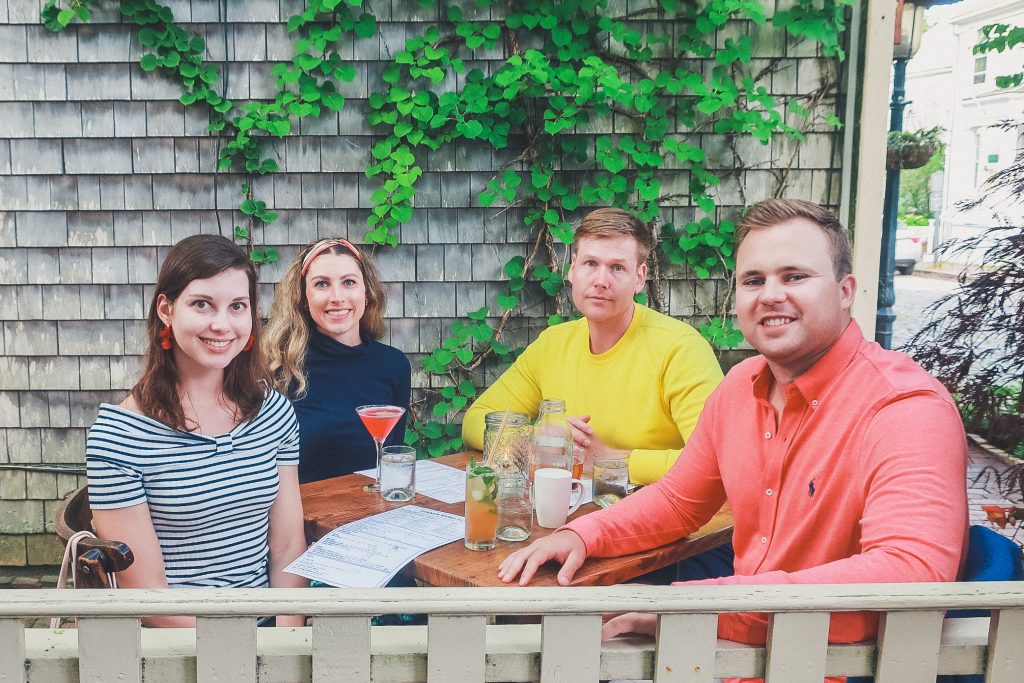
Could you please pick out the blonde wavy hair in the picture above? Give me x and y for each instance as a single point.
(287, 333)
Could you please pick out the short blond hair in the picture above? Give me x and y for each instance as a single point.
(610, 222)
(771, 212)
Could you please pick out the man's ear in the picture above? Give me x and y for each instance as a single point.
(847, 291)
(641, 277)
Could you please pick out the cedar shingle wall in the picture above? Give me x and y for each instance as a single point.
(101, 170)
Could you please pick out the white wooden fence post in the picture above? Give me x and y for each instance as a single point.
(908, 647)
(12, 651)
(686, 646)
(341, 649)
(1005, 658)
(225, 649)
(570, 649)
(110, 649)
(456, 648)
(797, 645)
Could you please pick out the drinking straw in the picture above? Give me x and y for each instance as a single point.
(497, 438)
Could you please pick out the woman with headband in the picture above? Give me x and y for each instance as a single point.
(324, 349)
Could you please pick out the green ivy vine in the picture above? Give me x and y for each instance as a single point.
(655, 77)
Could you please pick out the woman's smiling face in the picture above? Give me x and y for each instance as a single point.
(211, 321)
(336, 296)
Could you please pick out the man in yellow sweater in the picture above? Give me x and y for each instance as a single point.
(634, 381)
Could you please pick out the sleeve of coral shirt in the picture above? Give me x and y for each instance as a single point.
(517, 389)
(913, 470)
(913, 464)
(675, 506)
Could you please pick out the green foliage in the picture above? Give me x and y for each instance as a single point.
(583, 67)
(306, 85)
(914, 193)
(898, 140)
(722, 333)
(997, 38)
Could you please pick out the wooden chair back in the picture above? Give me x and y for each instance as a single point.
(96, 559)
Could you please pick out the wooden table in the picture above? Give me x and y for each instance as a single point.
(331, 503)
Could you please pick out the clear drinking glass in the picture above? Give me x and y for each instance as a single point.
(611, 480)
(551, 442)
(398, 473)
(379, 420)
(515, 508)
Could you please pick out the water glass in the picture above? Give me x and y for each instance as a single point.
(515, 508)
(611, 480)
(397, 473)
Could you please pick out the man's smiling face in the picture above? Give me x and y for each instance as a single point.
(791, 307)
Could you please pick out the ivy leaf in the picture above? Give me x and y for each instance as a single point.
(148, 62)
(507, 302)
(464, 355)
(366, 26)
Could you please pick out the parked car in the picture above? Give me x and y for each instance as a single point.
(910, 248)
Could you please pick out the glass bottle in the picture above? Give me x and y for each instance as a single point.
(551, 443)
(511, 455)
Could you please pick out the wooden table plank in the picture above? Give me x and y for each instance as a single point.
(331, 503)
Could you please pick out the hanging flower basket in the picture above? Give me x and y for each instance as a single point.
(908, 150)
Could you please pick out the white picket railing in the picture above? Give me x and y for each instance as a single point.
(915, 642)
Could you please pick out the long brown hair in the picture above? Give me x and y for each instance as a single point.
(289, 325)
(245, 378)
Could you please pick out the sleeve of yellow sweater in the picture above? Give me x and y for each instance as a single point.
(517, 388)
(691, 373)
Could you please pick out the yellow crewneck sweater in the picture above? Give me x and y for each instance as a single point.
(644, 394)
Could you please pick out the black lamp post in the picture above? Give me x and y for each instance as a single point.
(909, 26)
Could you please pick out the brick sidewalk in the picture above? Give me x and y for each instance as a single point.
(985, 492)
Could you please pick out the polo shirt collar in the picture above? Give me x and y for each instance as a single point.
(813, 383)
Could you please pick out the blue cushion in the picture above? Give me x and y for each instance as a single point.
(990, 557)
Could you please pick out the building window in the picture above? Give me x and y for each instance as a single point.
(980, 64)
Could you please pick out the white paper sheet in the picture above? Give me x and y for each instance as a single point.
(435, 480)
(369, 552)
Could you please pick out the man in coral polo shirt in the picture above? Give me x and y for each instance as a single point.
(831, 451)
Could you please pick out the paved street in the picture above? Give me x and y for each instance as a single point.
(914, 293)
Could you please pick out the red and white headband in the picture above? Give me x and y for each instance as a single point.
(324, 245)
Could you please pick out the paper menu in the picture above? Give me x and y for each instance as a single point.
(369, 552)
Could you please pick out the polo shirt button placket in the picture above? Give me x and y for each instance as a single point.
(764, 540)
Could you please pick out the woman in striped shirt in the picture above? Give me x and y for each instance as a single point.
(196, 469)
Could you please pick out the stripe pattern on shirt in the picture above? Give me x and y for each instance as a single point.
(209, 496)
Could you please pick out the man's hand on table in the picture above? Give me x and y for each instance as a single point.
(584, 436)
(563, 546)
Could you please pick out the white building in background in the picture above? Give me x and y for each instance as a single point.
(950, 86)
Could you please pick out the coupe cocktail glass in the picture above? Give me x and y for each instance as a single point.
(379, 420)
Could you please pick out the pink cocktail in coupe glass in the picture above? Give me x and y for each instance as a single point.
(379, 421)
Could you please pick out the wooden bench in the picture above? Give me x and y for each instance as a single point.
(915, 642)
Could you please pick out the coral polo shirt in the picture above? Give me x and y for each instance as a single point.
(862, 481)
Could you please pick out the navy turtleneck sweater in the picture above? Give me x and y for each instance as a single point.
(332, 439)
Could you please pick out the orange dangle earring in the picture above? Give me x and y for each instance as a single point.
(165, 338)
(248, 344)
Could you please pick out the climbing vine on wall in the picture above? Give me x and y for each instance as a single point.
(588, 108)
